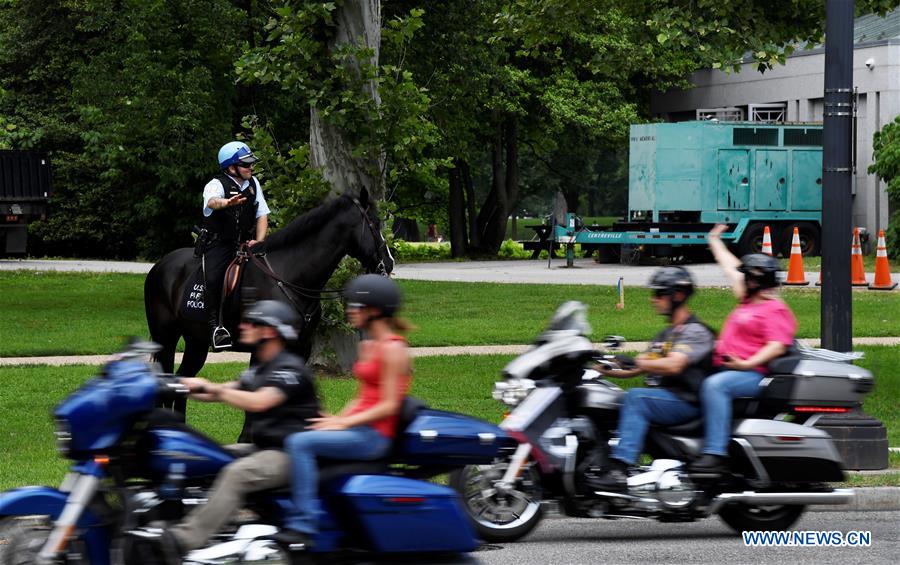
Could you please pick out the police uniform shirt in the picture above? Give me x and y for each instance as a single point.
(214, 189)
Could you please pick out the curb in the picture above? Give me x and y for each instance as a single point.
(867, 499)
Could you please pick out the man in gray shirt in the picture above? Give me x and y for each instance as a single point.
(678, 360)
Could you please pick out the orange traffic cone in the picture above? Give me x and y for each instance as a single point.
(857, 269)
(795, 267)
(882, 268)
(767, 242)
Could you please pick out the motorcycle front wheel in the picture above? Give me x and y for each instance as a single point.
(499, 514)
(21, 539)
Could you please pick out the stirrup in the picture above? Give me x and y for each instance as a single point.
(221, 339)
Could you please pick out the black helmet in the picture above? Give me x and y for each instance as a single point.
(761, 269)
(274, 314)
(672, 279)
(374, 290)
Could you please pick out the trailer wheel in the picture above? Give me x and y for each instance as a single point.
(752, 239)
(810, 239)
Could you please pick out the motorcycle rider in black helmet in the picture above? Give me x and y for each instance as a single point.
(760, 329)
(279, 398)
(364, 430)
(676, 364)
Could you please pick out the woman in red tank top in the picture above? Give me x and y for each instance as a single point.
(364, 429)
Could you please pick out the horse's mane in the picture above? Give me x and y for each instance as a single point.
(304, 224)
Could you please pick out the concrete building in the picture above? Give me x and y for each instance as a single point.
(794, 93)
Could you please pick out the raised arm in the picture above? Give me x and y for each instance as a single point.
(727, 261)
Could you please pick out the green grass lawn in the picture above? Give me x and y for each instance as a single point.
(462, 384)
(73, 314)
(814, 264)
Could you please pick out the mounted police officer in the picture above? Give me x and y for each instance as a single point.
(234, 211)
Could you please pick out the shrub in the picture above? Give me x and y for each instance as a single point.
(408, 252)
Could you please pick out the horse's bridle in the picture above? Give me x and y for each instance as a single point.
(262, 262)
(376, 237)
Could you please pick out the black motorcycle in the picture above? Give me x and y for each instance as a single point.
(565, 419)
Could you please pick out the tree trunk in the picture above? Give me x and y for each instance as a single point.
(358, 22)
(504, 189)
(406, 229)
(469, 186)
(457, 214)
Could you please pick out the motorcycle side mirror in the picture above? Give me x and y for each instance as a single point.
(613, 342)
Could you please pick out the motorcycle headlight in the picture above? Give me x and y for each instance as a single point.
(63, 437)
(513, 391)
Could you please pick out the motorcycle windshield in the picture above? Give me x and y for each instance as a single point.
(103, 409)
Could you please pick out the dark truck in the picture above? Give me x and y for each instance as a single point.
(24, 191)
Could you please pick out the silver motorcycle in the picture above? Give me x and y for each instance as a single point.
(565, 416)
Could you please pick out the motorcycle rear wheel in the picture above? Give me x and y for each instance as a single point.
(745, 517)
(499, 516)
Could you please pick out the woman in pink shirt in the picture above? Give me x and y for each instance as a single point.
(758, 330)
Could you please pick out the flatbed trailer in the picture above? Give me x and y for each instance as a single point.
(686, 177)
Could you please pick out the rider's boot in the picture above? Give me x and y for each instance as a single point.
(293, 540)
(615, 479)
(708, 465)
(155, 546)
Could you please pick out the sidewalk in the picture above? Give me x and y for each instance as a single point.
(585, 271)
(452, 350)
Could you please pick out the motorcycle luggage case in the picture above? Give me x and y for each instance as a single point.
(437, 437)
(398, 514)
(788, 452)
(813, 382)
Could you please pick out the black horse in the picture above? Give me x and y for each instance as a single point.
(299, 259)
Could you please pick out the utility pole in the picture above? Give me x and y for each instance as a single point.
(860, 439)
(837, 305)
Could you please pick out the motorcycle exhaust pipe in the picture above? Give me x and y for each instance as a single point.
(837, 496)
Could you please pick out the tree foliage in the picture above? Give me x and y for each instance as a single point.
(461, 114)
(886, 147)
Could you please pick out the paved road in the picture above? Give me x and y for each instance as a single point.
(586, 271)
(567, 540)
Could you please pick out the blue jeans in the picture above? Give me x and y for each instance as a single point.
(645, 406)
(715, 396)
(361, 443)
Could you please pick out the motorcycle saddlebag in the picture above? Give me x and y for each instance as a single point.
(437, 437)
(398, 514)
(787, 452)
(812, 382)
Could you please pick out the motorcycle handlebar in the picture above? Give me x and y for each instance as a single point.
(170, 388)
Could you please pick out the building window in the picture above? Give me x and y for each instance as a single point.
(768, 113)
(729, 114)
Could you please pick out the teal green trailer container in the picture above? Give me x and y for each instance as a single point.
(685, 177)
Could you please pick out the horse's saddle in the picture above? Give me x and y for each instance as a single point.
(193, 302)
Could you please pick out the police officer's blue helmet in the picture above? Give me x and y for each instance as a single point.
(235, 152)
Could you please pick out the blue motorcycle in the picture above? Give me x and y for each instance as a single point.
(136, 466)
